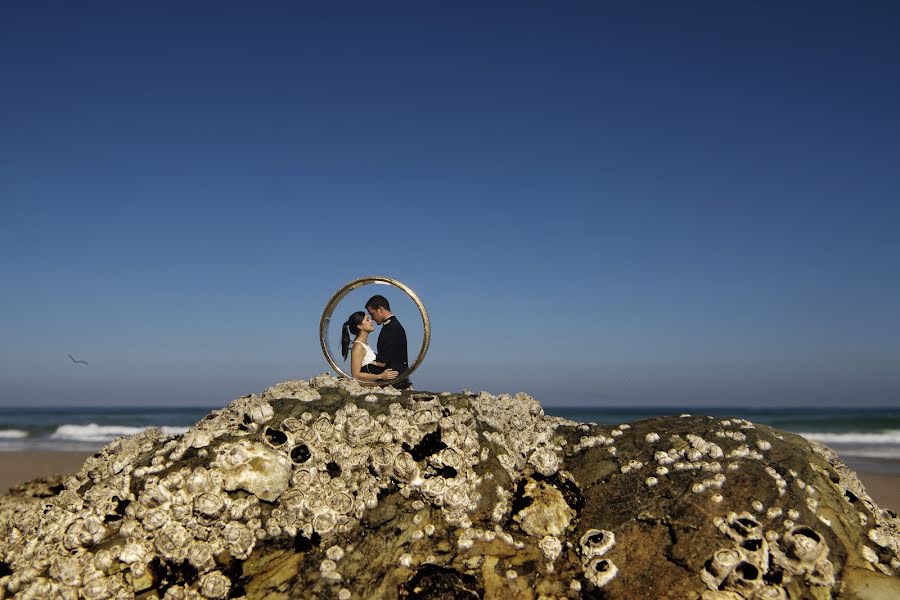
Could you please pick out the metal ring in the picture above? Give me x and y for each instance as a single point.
(358, 283)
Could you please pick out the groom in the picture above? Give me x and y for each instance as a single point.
(392, 338)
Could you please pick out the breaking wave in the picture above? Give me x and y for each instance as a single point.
(103, 433)
(890, 436)
(13, 434)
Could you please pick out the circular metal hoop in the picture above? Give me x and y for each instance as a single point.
(358, 283)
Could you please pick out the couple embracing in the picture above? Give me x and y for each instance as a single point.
(391, 359)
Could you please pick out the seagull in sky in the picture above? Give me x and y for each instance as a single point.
(78, 362)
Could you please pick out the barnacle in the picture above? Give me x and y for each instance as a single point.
(600, 571)
(596, 542)
(239, 540)
(209, 504)
(215, 586)
(740, 527)
(545, 461)
(200, 555)
(719, 567)
(171, 542)
(550, 546)
(744, 578)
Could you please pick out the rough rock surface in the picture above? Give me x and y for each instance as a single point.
(326, 489)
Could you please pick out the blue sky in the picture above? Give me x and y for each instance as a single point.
(609, 203)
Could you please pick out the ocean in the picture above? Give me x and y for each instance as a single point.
(866, 439)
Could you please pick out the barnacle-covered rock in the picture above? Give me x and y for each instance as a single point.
(326, 488)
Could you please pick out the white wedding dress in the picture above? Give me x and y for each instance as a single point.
(370, 354)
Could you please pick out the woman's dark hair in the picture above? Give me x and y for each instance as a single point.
(350, 327)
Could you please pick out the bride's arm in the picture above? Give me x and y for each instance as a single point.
(356, 358)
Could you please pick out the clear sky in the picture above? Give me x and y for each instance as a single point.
(616, 203)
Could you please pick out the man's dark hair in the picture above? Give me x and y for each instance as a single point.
(378, 301)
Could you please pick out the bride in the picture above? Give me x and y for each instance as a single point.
(362, 359)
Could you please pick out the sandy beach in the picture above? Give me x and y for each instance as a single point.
(17, 467)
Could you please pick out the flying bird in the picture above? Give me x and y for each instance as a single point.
(78, 362)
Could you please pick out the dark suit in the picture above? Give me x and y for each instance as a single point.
(392, 348)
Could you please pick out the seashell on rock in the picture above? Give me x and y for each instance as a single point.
(133, 553)
(254, 468)
(756, 551)
(200, 555)
(300, 454)
(178, 592)
(545, 461)
(451, 458)
(274, 438)
(199, 439)
(434, 486)
(328, 570)
(156, 518)
(292, 425)
(551, 547)
(261, 412)
(823, 573)
(335, 553)
(197, 482)
(740, 527)
(600, 571)
(215, 586)
(768, 592)
(340, 503)
(239, 540)
(456, 498)
(171, 542)
(719, 567)
(425, 417)
(209, 504)
(361, 429)
(316, 500)
(804, 544)
(745, 578)
(547, 514)
(805, 553)
(405, 467)
(98, 589)
(596, 542)
(324, 522)
(322, 429)
(104, 560)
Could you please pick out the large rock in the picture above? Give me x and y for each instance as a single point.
(325, 489)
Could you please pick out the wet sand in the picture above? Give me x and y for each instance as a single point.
(18, 467)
